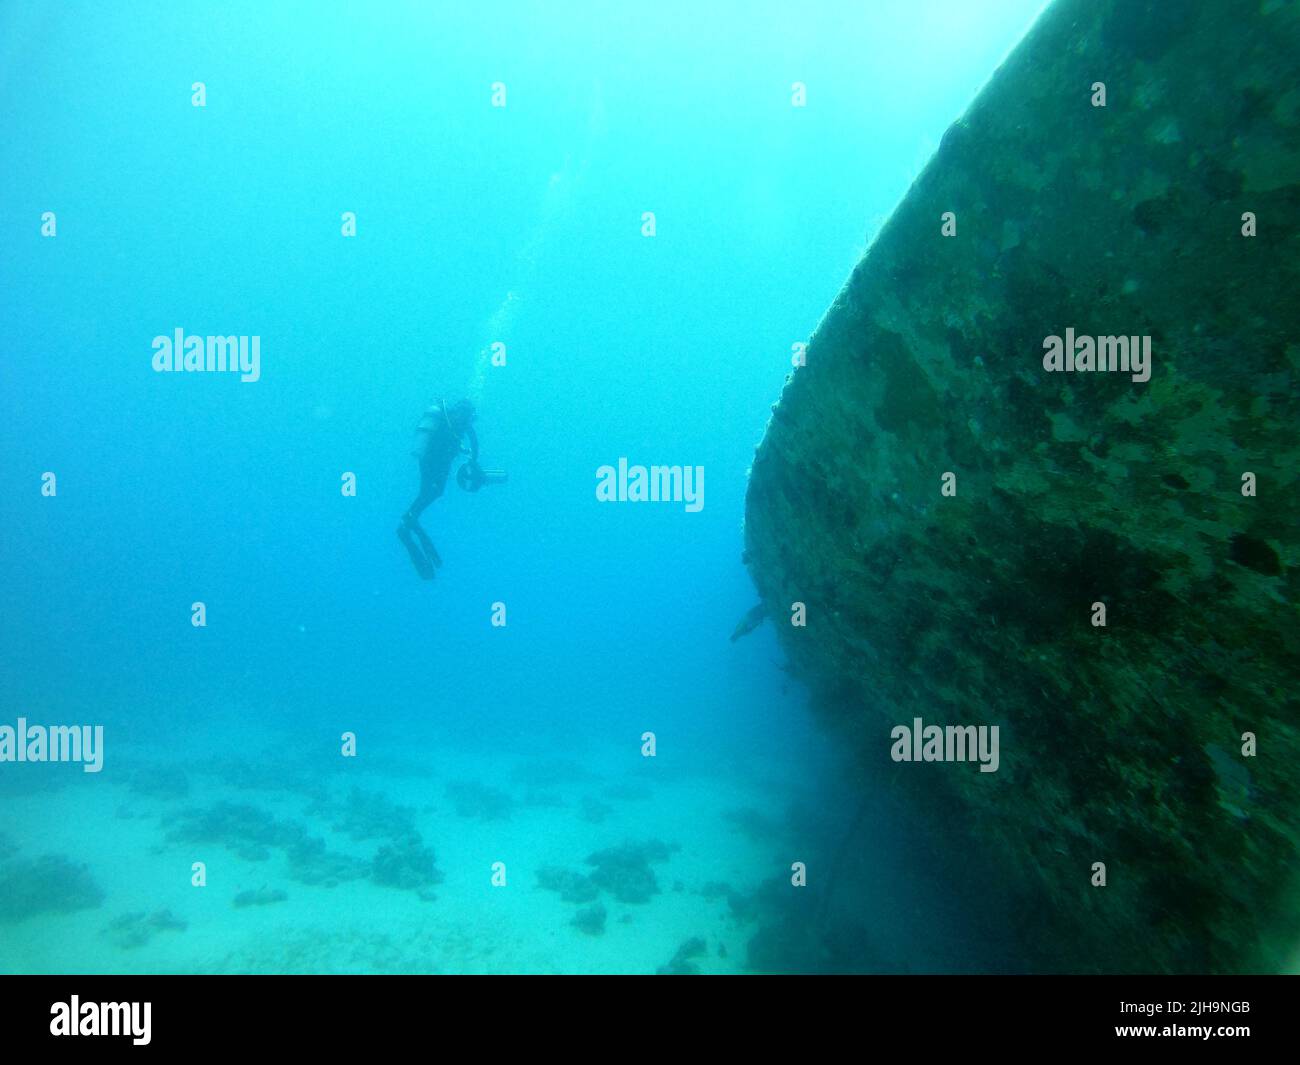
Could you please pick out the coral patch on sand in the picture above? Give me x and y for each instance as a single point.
(625, 871)
(133, 930)
(50, 884)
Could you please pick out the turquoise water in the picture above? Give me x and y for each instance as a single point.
(498, 813)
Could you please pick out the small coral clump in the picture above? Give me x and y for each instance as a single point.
(681, 963)
(50, 884)
(133, 930)
(590, 919)
(263, 896)
(312, 863)
(625, 871)
(247, 830)
(572, 887)
(406, 864)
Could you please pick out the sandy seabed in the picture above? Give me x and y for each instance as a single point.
(117, 825)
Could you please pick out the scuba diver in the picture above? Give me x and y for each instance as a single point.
(438, 444)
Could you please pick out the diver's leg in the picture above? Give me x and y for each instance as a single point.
(432, 482)
(418, 507)
(409, 528)
(418, 558)
(431, 486)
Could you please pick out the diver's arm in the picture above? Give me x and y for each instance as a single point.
(473, 444)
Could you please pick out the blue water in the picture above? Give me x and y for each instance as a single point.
(475, 225)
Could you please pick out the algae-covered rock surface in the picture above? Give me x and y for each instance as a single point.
(951, 506)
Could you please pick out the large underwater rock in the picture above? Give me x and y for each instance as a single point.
(1120, 744)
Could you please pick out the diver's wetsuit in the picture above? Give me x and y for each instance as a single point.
(437, 448)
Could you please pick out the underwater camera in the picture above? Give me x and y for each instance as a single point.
(471, 477)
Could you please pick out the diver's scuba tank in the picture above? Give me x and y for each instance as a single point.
(471, 477)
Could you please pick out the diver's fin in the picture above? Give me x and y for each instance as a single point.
(753, 619)
(422, 565)
(427, 544)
